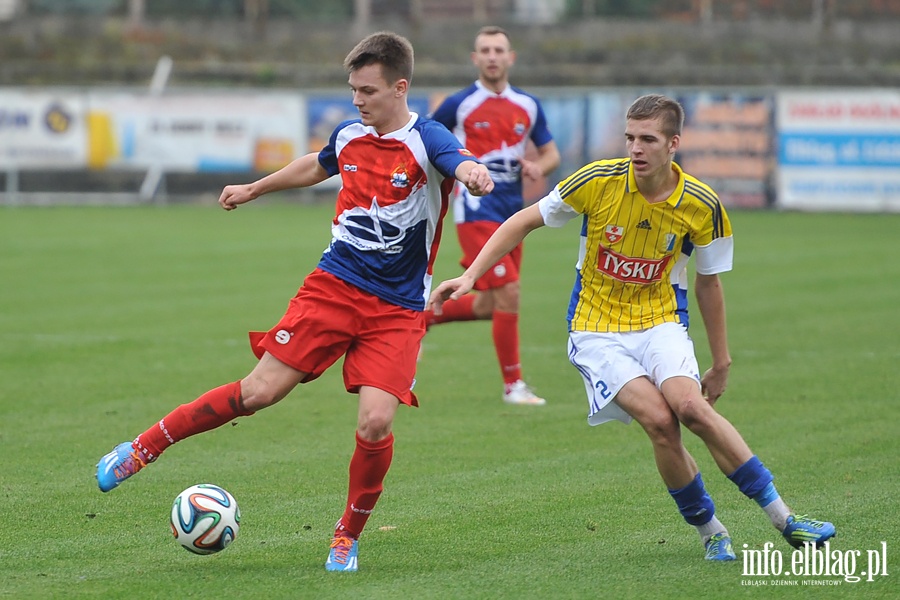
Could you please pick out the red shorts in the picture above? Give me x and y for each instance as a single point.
(329, 318)
(472, 238)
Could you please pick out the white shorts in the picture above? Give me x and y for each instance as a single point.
(607, 361)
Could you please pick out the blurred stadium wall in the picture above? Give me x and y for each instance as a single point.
(790, 104)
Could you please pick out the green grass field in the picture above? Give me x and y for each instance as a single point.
(110, 317)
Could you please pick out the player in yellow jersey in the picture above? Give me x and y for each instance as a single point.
(642, 219)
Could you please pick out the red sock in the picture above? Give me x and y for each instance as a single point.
(506, 343)
(214, 408)
(453, 310)
(369, 465)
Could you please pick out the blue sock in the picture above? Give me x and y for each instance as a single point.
(755, 481)
(694, 503)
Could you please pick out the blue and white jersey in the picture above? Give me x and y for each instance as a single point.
(496, 128)
(394, 195)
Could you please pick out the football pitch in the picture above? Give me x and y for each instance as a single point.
(110, 317)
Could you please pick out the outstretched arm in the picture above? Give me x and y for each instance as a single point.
(476, 177)
(301, 172)
(507, 237)
(711, 301)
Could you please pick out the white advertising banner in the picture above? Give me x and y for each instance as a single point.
(43, 129)
(195, 132)
(839, 150)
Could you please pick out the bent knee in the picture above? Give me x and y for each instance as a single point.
(662, 428)
(506, 297)
(696, 414)
(257, 394)
(374, 429)
(375, 425)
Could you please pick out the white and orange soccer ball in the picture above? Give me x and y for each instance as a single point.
(205, 518)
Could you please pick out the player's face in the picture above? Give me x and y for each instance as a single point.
(492, 57)
(377, 101)
(650, 150)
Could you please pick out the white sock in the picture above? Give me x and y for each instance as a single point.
(707, 530)
(778, 512)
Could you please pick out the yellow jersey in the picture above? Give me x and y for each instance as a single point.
(632, 264)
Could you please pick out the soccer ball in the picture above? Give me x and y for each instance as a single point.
(205, 518)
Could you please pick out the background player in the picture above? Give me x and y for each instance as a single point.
(495, 121)
(642, 218)
(365, 299)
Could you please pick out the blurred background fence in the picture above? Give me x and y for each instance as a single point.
(789, 104)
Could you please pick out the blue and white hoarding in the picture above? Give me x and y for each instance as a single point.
(839, 150)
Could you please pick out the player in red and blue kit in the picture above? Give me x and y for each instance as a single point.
(496, 121)
(365, 299)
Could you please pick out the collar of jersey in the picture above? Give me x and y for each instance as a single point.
(674, 198)
(483, 88)
(397, 133)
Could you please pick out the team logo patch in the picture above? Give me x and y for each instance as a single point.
(465, 152)
(400, 177)
(500, 271)
(519, 128)
(614, 233)
(669, 242)
(282, 336)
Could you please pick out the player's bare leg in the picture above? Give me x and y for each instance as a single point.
(644, 402)
(726, 445)
(738, 462)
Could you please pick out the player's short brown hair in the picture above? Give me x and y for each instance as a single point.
(653, 106)
(492, 30)
(392, 51)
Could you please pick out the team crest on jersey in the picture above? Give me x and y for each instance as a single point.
(614, 233)
(465, 152)
(400, 177)
(519, 128)
(669, 242)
